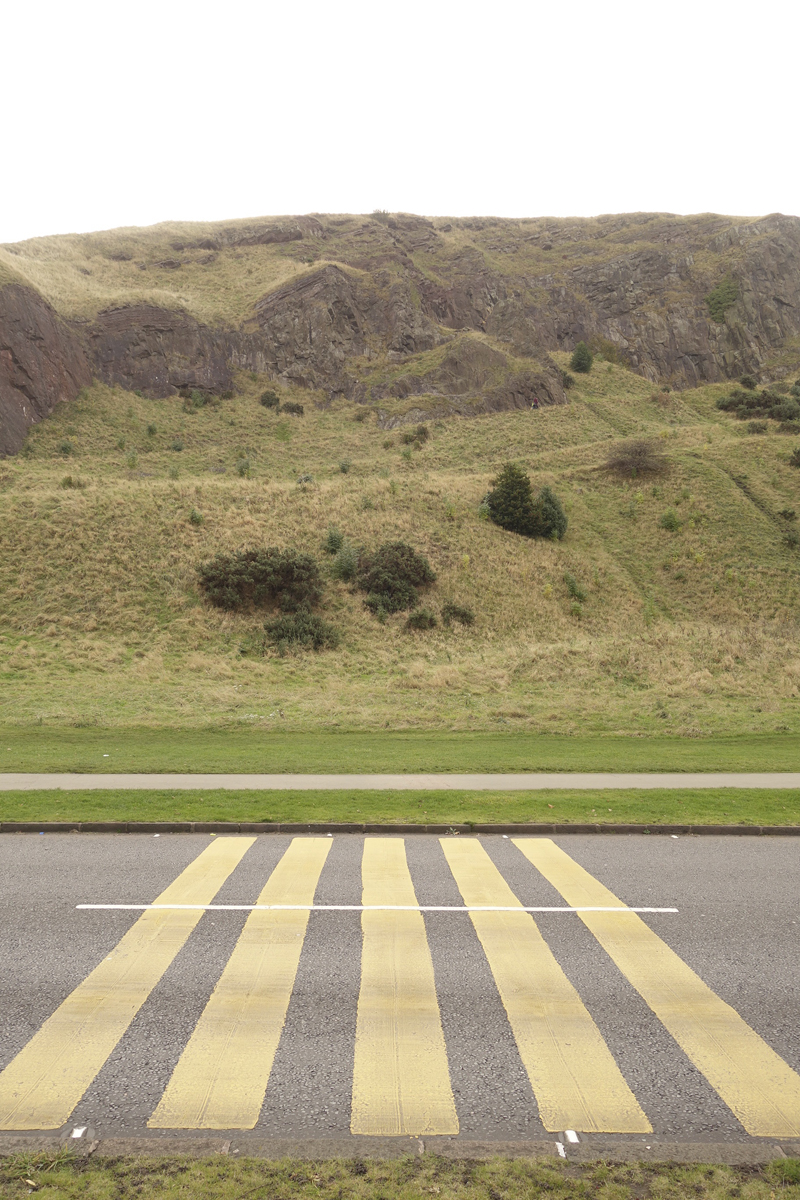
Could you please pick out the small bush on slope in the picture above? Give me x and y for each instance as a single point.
(512, 506)
(639, 457)
(303, 630)
(391, 577)
(581, 360)
(262, 578)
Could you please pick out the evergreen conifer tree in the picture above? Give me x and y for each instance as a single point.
(550, 518)
(512, 506)
(581, 360)
(511, 501)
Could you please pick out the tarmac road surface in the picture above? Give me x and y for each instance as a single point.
(498, 989)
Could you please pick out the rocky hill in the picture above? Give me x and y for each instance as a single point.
(446, 316)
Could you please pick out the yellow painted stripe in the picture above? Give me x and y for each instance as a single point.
(221, 1078)
(756, 1084)
(401, 1081)
(41, 1086)
(575, 1079)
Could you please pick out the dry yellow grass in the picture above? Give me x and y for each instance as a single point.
(693, 631)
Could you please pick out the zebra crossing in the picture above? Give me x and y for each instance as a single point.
(402, 1077)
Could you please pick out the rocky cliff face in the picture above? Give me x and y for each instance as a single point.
(651, 303)
(365, 297)
(157, 351)
(42, 362)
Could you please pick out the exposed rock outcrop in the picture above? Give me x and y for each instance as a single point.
(472, 378)
(392, 287)
(310, 331)
(42, 362)
(158, 351)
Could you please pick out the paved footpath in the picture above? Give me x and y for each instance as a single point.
(582, 991)
(430, 782)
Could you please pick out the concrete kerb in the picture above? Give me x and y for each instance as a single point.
(519, 830)
(590, 1149)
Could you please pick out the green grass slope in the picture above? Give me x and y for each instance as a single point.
(690, 632)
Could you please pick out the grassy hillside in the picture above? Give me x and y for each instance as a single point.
(691, 631)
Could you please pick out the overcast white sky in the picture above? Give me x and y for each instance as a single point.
(127, 114)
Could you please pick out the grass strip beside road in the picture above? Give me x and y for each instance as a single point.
(60, 1175)
(143, 750)
(704, 806)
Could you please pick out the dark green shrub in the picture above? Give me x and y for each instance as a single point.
(361, 415)
(304, 479)
(786, 410)
(457, 612)
(345, 465)
(195, 517)
(392, 575)
(788, 514)
(720, 299)
(422, 433)
(574, 588)
(72, 481)
(550, 520)
(261, 578)
(296, 410)
(66, 448)
(151, 430)
(671, 521)
(334, 540)
(421, 618)
(753, 404)
(748, 382)
(243, 468)
(510, 502)
(581, 360)
(345, 564)
(302, 630)
(791, 539)
(757, 426)
(636, 458)
(177, 445)
(512, 506)
(567, 380)
(408, 438)
(270, 399)
(794, 461)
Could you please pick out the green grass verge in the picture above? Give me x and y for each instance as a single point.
(40, 748)
(713, 806)
(61, 1176)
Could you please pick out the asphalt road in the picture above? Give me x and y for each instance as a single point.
(410, 782)
(491, 1024)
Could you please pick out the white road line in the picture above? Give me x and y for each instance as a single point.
(371, 908)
